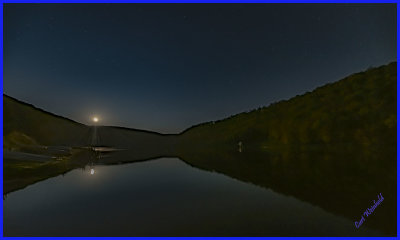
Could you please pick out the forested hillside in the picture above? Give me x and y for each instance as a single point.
(359, 109)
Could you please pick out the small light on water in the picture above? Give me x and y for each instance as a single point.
(91, 171)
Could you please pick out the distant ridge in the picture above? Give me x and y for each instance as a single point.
(73, 121)
(24, 122)
(142, 130)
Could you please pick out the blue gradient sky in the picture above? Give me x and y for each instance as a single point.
(166, 67)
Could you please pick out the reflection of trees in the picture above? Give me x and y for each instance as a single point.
(341, 181)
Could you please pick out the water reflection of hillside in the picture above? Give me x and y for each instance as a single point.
(344, 182)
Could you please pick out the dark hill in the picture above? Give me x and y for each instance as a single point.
(359, 109)
(22, 120)
(24, 124)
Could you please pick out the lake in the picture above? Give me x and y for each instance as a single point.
(163, 197)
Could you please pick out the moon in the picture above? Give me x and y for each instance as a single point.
(95, 119)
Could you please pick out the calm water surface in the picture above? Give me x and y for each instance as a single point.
(162, 197)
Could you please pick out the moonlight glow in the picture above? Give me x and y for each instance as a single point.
(95, 119)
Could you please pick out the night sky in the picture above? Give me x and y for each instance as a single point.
(167, 67)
